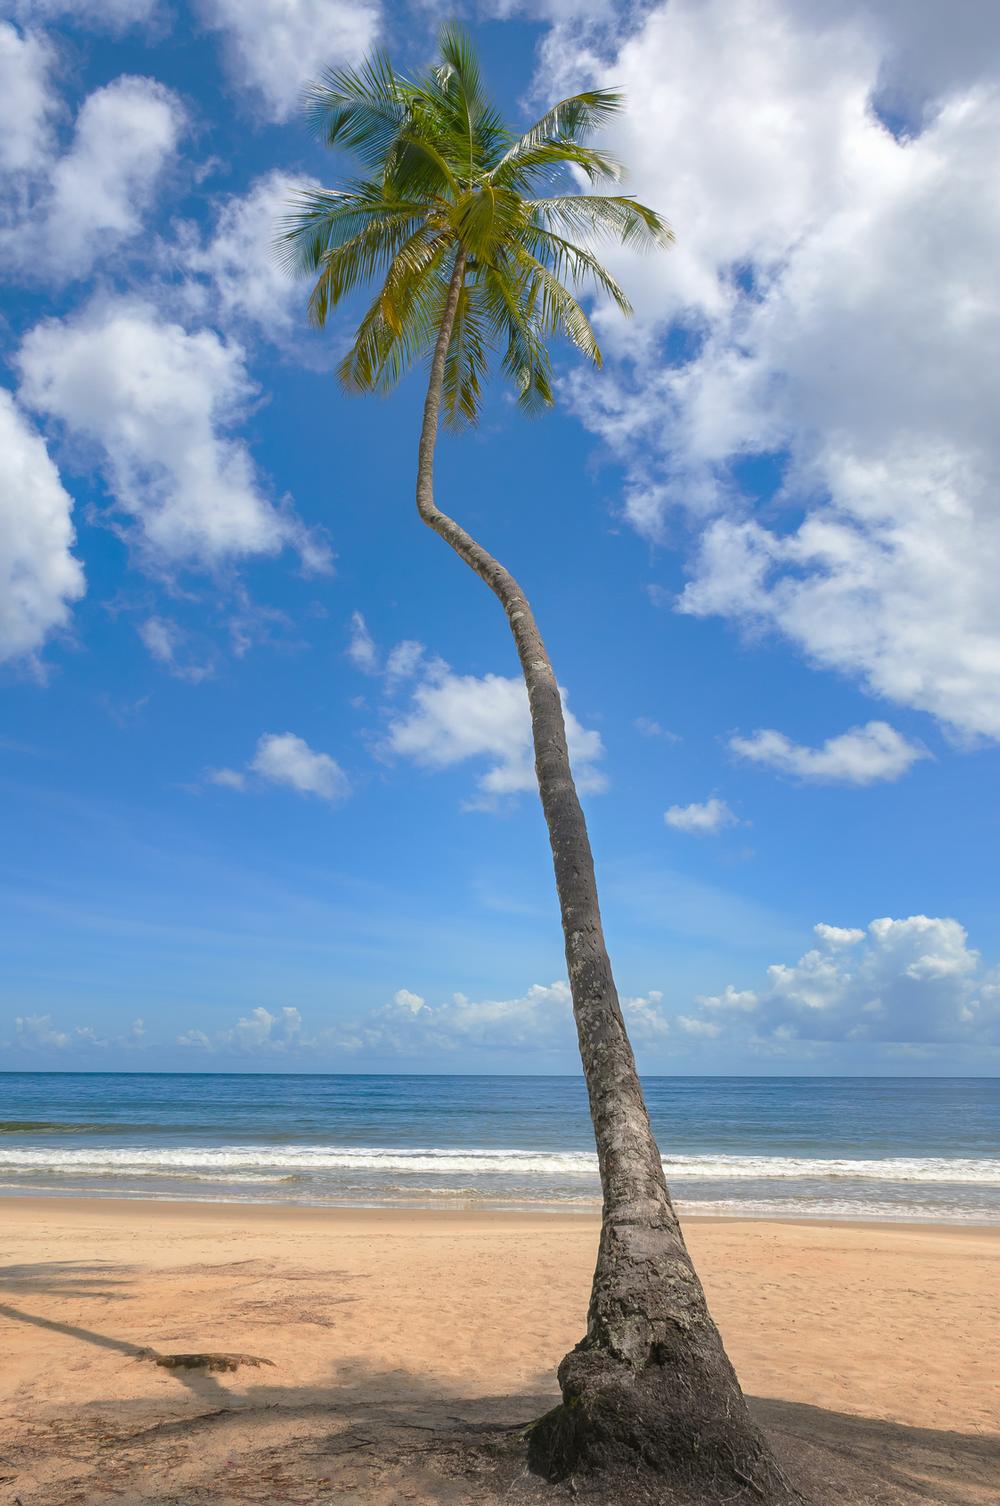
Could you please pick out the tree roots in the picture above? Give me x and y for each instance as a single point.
(646, 1434)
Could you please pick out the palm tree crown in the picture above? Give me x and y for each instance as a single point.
(452, 189)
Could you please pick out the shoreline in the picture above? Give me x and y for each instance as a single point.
(543, 1218)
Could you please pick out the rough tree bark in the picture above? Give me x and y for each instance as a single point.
(649, 1392)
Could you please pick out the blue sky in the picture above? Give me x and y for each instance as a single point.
(263, 762)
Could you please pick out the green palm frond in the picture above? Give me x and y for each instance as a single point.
(557, 310)
(547, 163)
(571, 119)
(576, 264)
(449, 188)
(357, 261)
(361, 109)
(468, 359)
(525, 355)
(385, 348)
(617, 217)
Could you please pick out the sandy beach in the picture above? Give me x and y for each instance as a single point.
(390, 1335)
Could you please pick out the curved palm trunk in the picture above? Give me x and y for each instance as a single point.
(650, 1386)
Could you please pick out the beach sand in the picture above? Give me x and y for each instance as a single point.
(400, 1342)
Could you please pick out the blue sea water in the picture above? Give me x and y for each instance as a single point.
(876, 1148)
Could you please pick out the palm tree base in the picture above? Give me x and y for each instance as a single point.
(659, 1433)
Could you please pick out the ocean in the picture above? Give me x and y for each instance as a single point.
(922, 1149)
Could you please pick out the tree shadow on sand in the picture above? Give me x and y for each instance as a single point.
(68, 1278)
(375, 1437)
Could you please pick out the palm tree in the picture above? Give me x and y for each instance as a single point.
(472, 259)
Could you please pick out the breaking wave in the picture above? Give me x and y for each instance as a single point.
(244, 1160)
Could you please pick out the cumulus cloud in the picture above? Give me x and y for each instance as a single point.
(862, 755)
(645, 1020)
(915, 981)
(283, 758)
(838, 935)
(403, 661)
(704, 819)
(538, 1021)
(258, 1033)
(109, 15)
(235, 275)
(743, 999)
(158, 402)
(693, 1025)
(125, 134)
(26, 100)
(36, 1033)
(404, 999)
(833, 304)
(452, 718)
(276, 47)
(541, 1019)
(40, 577)
(63, 212)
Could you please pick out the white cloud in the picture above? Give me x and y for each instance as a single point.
(160, 638)
(276, 47)
(403, 661)
(407, 1000)
(692, 1025)
(36, 1033)
(838, 935)
(927, 49)
(913, 981)
(644, 1018)
(711, 816)
(64, 212)
(236, 276)
(157, 401)
(361, 648)
(258, 1033)
(164, 641)
(26, 101)
(456, 717)
(283, 758)
(839, 295)
(125, 133)
(227, 779)
(110, 15)
(862, 755)
(731, 998)
(39, 575)
(539, 1019)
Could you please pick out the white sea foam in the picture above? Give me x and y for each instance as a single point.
(242, 1161)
